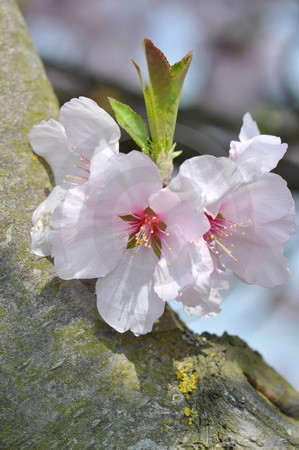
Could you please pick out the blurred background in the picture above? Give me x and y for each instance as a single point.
(246, 58)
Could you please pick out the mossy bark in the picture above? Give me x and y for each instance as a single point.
(67, 379)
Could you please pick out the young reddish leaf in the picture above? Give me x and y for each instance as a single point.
(138, 71)
(159, 71)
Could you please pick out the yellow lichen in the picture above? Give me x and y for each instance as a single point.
(191, 416)
(165, 425)
(188, 378)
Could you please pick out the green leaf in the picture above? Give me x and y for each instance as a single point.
(130, 121)
(177, 153)
(182, 65)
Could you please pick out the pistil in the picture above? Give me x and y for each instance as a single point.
(145, 229)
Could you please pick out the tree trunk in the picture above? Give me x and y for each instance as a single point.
(68, 380)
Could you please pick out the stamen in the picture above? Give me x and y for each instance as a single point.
(75, 178)
(218, 234)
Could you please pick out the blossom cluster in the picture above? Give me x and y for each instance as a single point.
(111, 217)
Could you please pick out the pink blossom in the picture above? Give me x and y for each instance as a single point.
(260, 150)
(69, 144)
(68, 147)
(132, 234)
(250, 220)
(202, 299)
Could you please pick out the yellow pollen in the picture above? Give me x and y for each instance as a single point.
(76, 178)
(224, 248)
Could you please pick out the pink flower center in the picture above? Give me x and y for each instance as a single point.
(145, 229)
(220, 234)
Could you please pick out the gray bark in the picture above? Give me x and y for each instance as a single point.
(68, 380)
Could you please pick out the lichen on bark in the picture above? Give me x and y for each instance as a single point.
(67, 379)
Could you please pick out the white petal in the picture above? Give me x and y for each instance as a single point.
(266, 150)
(125, 298)
(174, 271)
(86, 124)
(125, 186)
(264, 201)
(202, 299)
(200, 303)
(258, 259)
(48, 139)
(216, 177)
(181, 203)
(205, 307)
(83, 246)
(99, 160)
(41, 221)
(249, 128)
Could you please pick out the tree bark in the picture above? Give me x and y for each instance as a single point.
(68, 380)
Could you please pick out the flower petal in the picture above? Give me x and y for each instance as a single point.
(124, 186)
(266, 150)
(99, 160)
(83, 247)
(41, 221)
(207, 307)
(48, 139)
(249, 128)
(181, 203)
(265, 201)
(202, 299)
(175, 270)
(125, 298)
(216, 177)
(257, 259)
(86, 124)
